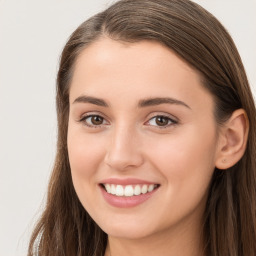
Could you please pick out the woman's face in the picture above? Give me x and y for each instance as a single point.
(142, 139)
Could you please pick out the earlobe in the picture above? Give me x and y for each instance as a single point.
(232, 140)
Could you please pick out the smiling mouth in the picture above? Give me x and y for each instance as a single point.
(129, 190)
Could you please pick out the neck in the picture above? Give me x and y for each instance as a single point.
(186, 241)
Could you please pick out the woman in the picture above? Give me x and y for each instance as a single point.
(155, 155)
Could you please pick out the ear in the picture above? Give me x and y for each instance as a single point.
(232, 140)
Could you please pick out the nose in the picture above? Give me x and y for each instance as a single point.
(124, 151)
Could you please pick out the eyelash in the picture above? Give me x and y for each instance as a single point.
(84, 118)
(171, 121)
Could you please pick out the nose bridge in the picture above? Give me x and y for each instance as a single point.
(124, 150)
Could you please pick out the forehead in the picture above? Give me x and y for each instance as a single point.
(105, 54)
(110, 68)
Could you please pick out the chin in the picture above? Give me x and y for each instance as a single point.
(127, 229)
(127, 233)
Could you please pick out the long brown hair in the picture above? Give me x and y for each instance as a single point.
(65, 227)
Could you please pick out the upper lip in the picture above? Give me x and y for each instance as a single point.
(127, 181)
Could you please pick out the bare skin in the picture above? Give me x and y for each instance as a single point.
(115, 132)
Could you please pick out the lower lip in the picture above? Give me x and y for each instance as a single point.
(126, 201)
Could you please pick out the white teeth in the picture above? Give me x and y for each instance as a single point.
(129, 190)
(119, 190)
(137, 190)
(150, 188)
(113, 189)
(144, 189)
(108, 188)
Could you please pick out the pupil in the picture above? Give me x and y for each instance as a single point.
(161, 121)
(97, 120)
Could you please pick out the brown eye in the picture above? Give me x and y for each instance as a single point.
(162, 120)
(96, 120)
(93, 120)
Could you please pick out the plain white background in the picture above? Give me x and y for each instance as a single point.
(32, 35)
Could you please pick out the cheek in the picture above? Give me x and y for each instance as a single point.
(85, 155)
(83, 150)
(187, 161)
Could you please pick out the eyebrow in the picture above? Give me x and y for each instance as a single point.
(159, 101)
(142, 103)
(92, 100)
